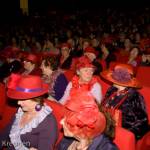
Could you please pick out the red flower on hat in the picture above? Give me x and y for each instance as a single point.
(83, 117)
(86, 116)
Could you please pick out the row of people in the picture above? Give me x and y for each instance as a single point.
(123, 92)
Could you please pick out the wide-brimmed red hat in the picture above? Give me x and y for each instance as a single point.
(84, 62)
(83, 117)
(121, 74)
(25, 86)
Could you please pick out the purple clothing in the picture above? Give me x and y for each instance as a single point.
(134, 115)
(60, 86)
(57, 84)
(100, 142)
(43, 137)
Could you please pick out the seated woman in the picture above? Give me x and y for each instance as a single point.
(145, 59)
(66, 57)
(84, 80)
(33, 126)
(83, 125)
(124, 95)
(31, 65)
(54, 77)
(134, 58)
(92, 54)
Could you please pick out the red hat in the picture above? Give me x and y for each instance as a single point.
(65, 45)
(90, 49)
(7, 54)
(32, 57)
(83, 117)
(25, 86)
(121, 74)
(84, 62)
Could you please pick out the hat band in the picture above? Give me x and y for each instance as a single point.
(19, 89)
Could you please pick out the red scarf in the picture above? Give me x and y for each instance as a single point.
(76, 86)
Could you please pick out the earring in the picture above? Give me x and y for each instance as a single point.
(38, 107)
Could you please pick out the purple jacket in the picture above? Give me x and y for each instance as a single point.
(43, 137)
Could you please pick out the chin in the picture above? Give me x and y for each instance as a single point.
(24, 109)
(68, 134)
(88, 80)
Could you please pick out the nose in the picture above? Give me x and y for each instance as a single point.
(62, 121)
(19, 102)
(90, 72)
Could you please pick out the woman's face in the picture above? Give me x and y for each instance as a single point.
(95, 42)
(65, 51)
(127, 43)
(27, 65)
(67, 132)
(85, 74)
(46, 70)
(134, 53)
(85, 44)
(27, 105)
(91, 56)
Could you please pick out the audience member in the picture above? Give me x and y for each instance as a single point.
(33, 126)
(84, 125)
(53, 76)
(84, 80)
(124, 93)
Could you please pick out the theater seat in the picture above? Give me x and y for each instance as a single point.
(143, 73)
(2, 99)
(10, 110)
(144, 143)
(104, 85)
(124, 139)
(69, 74)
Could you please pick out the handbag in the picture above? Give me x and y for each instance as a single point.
(115, 112)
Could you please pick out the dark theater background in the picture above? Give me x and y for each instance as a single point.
(11, 8)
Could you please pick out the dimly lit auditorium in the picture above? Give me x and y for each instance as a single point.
(74, 75)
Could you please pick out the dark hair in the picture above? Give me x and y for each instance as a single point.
(7, 68)
(53, 62)
(15, 66)
(40, 99)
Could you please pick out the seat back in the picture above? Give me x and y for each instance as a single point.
(104, 85)
(142, 75)
(144, 143)
(2, 99)
(124, 139)
(69, 74)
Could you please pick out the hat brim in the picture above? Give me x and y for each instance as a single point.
(107, 74)
(18, 95)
